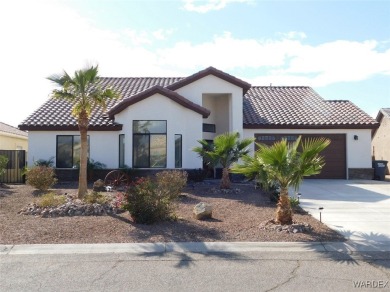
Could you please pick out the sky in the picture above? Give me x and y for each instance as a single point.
(339, 48)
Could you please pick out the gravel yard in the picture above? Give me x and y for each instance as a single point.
(237, 216)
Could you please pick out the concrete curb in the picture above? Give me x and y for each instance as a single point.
(194, 247)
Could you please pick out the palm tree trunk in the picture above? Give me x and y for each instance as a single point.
(83, 127)
(225, 181)
(284, 211)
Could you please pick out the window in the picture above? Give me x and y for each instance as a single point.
(210, 128)
(68, 151)
(149, 144)
(178, 151)
(121, 151)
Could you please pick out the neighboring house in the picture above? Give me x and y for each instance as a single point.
(381, 137)
(12, 138)
(159, 120)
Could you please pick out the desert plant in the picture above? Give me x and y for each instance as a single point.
(84, 93)
(150, 200)
(3, 164)
(50, 200)
(95, 197)
(286, 165)
(294, 202)
(41, 177)
(45, 162)
(225, 150)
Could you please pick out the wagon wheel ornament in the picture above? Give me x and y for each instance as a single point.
(117, 180)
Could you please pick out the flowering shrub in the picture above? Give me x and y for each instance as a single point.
(119, 200)
(149, 201)
(41, 177)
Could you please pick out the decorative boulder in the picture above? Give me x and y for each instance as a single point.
(98, 186)
(203, 211)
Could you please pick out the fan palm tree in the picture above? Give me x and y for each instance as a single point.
(285, 164)
(83, 92)
(224, 151)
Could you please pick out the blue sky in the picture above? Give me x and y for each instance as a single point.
(340, 48)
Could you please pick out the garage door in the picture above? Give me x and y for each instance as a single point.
(334, 154)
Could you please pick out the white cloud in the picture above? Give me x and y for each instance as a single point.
(46, 37)
(209, 5)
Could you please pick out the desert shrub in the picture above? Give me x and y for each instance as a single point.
(41, 177)
(96, 197)
(294, 202)
(45, 162)
(150, 200)
(51, 200)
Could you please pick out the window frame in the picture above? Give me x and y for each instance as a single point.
(73, 165)
(181, 151)
(149, 135)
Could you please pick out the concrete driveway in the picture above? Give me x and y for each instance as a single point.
(358, 209)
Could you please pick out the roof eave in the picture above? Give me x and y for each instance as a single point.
(333, 126)
(115, 127)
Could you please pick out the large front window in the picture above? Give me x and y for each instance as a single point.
(68, 151)
(149, 144)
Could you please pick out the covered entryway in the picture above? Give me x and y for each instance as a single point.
(334, 154)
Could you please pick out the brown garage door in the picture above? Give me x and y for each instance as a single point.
(334, 154)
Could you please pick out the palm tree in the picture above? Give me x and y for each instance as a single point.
(224, 151)
(83, 92)
(286, 164)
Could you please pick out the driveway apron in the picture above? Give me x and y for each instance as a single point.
(358, 209)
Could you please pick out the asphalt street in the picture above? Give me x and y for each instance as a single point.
(189, 267)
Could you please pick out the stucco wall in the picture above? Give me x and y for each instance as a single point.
(214, 85)
(180, 120)
(103, 146)
(358, 151)
(13, 142)
(381, 141)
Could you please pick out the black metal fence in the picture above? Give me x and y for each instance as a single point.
(14, 169)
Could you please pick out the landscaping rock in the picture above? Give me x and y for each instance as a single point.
(203, 211)
(73, 207)
(98, 186)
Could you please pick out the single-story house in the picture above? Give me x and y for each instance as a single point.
(12, 138)
(158, 121)
(381, 137)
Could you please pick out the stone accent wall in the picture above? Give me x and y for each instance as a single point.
(360, 173)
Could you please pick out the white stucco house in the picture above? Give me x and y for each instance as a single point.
(158, 121)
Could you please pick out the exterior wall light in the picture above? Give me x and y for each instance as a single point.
(355, 137)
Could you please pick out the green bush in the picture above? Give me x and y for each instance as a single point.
(51, 200)
(3, 164)
(150, 200)
(96, 197)
(294, 202)
(41, 177)
(45, 162)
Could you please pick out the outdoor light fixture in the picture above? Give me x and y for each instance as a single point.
(320, 208)
(299, 195)
(355, 137)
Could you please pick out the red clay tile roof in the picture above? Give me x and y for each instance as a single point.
(210, 71)
(264, 107)
(57, 114)
(300, 107)
(5, 128)
(161, 90)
